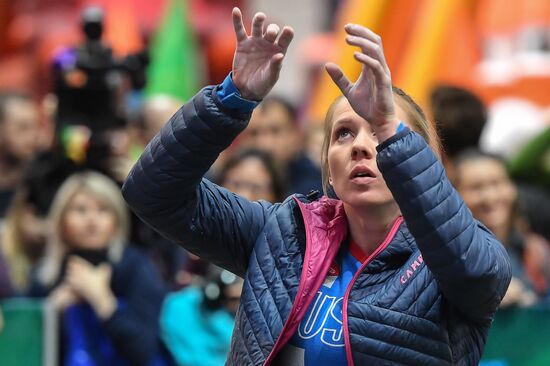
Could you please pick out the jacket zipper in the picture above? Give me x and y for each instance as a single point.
(299, 293)
(380, 248)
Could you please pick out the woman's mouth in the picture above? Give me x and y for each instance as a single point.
(362, 175)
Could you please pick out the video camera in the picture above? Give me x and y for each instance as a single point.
(89, 81)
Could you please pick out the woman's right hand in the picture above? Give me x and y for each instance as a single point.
(62, 297)
(259, 56)
(92, 283)
(371, 96)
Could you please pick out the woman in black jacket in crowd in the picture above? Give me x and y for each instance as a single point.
(108, 294)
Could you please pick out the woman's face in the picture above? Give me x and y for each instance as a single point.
(251, 180)
(353, 172)
(487, 191)
(88, 223)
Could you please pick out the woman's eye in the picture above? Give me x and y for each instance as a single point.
(343, 133)
(78, 209)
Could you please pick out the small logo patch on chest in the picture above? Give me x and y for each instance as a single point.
(411, 269)
(332, 274)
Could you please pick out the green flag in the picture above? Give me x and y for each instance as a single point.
(174, 69)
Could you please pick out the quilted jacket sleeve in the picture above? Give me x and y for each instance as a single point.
(470, 265)
(166, 188)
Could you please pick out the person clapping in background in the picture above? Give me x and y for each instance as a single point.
(109, 294)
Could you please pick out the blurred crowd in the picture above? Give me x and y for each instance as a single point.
(124, 294)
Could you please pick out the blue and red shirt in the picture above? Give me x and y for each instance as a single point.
(319, 339)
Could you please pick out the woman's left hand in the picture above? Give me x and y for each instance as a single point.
(371, 96)
(92, 284)
(62, 297)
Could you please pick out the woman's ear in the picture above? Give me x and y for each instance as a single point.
(329, 176)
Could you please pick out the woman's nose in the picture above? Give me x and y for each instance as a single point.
(489, 194)
(364, 146)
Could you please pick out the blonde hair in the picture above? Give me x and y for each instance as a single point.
(415, 116)
(18, 263)
(105, 191)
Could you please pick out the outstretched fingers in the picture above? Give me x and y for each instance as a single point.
(240, 31)
(271, 32)
(285, 37)
(339, 78)
(382, 78)
(369, 48)
(258, 24)
(369, 42)
(359, 30)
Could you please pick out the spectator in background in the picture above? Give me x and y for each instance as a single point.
(253, 174)
(197, 322)
(109, 294)
(108, 151)
(169, 259)
(483, 181)
(156, 110)
(23, 240)
(460, 117)
(208, 308)
(148, 119)
(19, 141)
(535, 208)
(273, 128)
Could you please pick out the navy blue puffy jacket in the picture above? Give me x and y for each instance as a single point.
(428, 298)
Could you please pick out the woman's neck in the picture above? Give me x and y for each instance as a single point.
(369, 226)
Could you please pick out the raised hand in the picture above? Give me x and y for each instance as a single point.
(92, 284)
(62, 297)
(371, 95)
(259, 56)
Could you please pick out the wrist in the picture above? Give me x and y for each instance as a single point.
(387, 130)
(231, 97)
(105, 306)
(241, 90)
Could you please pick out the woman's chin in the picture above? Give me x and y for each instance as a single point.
(367, 199)
(92, 245)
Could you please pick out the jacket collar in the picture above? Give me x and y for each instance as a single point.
(328, 216)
